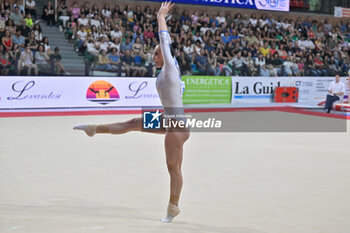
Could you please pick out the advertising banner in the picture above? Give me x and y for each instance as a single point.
(273, 5)
(76, 92)
(206, 89)
(312, 90)
(256, 89)
(341, 12)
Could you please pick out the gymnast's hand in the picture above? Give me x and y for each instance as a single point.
(165, 8)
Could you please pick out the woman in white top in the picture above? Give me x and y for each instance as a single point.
(106, 11)
(169, 87)
(26, 61)
(253, 20)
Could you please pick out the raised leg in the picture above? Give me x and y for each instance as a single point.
(134, 124)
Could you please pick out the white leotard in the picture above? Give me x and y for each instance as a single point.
(169, 84)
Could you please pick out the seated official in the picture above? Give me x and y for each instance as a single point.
(336, 89)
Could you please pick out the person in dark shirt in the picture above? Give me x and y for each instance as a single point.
(184, 62)
(49, 14)
(127, 62)
(202, 63)
(277, 63)
(310, 68)
(56, 59)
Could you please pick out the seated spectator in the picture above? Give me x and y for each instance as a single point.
(49, 14)
(139, 70)
(114, 60)
(7, 6)
(214, 66)
(71, 28)
(86, 10)
(81, 36)
(103, 61)
(127, 62)
(129, 14)
(252, 70)
(75, 10)
(29, 21)
(4, 61)
(42, 60)
(38, 32)
(11, 27)
(209, 47)
(221, 18)
(148, 33)
(115, 44)
(290, 67)
(282, 52)
(17, 17)
(95, 10)
(188, 48)
(30, 8)
(56, 59)
(184, 63)
(116, 33)
(63, 16)
(7, 41)
(138, 15)
(213, 28)
(32, 42)
(106, 11)
(126, 45)
(251, 38)
(47, 47)
(259, 62)
(82, 20)
(91, 47)
(319, 65)
(273, 49)
(264, 72)
(106, 24)
(20, 6)
(333, 67)
(19, 39)
(24, 29)
(137, 46)
(27, 62)
(240, 65)
(2, 23)
(306, 44)
(310, 68)
(96, 21)
(265, 49)
(277, 63)
(195, 18)
(202, 63)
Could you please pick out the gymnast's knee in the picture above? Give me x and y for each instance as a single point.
(183, 136)
(133, 124)
(174, 169)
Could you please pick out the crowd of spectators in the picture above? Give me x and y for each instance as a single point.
(23, 49)
(123, 40)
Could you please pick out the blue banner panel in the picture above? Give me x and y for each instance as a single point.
(273, 5)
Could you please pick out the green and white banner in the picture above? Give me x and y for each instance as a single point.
(207, 89)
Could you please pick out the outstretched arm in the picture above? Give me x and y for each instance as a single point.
(163, 11)
(164, 36)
